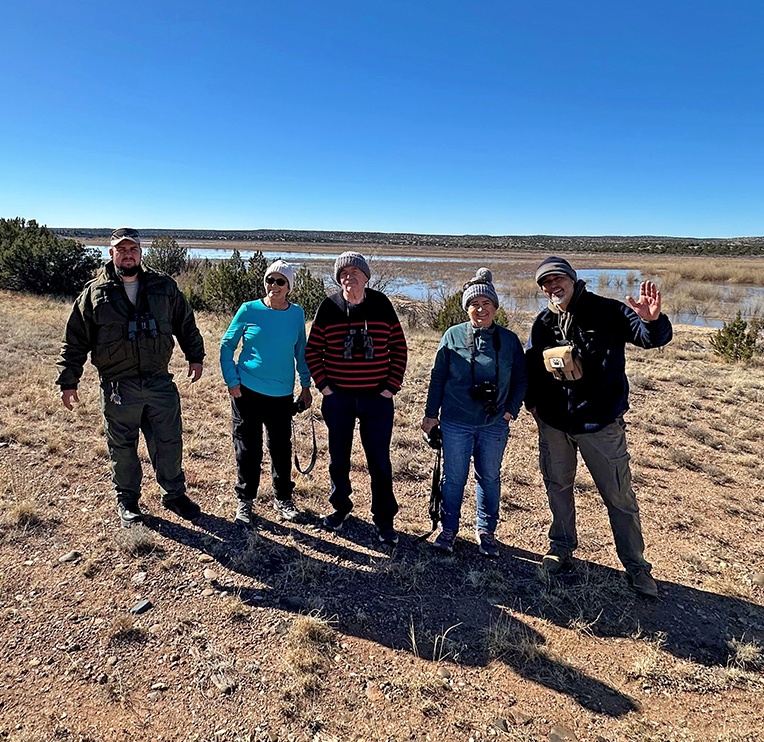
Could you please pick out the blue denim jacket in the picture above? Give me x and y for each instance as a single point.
(464, 351)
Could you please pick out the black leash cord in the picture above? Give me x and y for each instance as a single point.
(313, 456)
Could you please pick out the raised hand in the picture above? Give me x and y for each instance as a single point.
(648, 305)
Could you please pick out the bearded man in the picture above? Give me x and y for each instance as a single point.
(125, 318)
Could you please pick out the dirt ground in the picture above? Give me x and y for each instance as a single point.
(292, 633)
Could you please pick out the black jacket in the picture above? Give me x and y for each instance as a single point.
(600, 329)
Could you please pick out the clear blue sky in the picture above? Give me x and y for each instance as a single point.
(506, 117)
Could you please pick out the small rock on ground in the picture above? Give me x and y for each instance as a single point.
(560, 733)
(519, 717)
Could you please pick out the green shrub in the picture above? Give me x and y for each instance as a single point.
(736, 340)
(229, 283)
(308, 291)
(452, 314)
(34, 259)
(191, 283)
(166, 255)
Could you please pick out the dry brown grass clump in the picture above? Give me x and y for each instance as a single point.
(310, 642)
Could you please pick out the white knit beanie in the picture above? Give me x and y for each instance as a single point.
(282, 267)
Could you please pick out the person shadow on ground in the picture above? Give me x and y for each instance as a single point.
(466, 609)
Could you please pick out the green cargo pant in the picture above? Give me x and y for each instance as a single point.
(607, 459)
(152, 406)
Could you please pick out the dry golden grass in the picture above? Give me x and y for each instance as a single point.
(696, 441)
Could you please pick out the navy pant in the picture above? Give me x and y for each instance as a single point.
(375, 424)
(250, 413)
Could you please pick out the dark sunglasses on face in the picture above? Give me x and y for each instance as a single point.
(278, 281)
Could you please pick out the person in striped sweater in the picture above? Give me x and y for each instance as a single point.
(357, 354)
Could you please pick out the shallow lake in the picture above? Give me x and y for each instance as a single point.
(423, 278)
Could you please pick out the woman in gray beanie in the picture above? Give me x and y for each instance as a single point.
(477, 385)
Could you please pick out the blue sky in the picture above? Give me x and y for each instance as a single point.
(534, 117)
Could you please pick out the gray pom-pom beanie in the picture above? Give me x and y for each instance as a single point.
(480, 285)
(350, 258)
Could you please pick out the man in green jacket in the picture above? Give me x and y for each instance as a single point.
(125, 318)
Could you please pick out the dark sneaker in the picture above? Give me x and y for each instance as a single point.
(556, 561)
(445, 541)
(183, 506)
(244, 514)
(487, 544)
(642, 583)
(129, 513)
(285, 508)
(334, 521)
(387, 535)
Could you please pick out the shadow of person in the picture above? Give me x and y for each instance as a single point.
(689, 623)
(410, 600)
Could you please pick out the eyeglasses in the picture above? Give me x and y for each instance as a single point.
(278, 281)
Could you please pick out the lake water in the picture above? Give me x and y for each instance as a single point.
(420, 278)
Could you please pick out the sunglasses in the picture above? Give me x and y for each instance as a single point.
(278, 281)
(126, 232)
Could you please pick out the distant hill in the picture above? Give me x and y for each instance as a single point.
(536, 243)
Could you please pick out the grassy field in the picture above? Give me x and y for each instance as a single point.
(290, 633)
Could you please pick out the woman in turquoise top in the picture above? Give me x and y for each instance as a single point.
(261, 382)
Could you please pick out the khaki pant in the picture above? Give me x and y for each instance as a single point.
(607, 459)
(151, 406)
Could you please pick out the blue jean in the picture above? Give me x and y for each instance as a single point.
(484, 444)
(375, 424)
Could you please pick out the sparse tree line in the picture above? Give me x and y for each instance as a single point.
(537, 243)
(35, 260)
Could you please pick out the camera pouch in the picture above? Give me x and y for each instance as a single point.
(563, 362)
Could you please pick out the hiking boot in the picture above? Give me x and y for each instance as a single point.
(129, 513)
(334, 521)
(642, 583)
(244, 514)
(183, 506)
(387, 535)
(285, 508)
(487, 544)
(556, 561)
(445, 541)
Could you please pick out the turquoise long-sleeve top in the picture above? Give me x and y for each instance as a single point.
(467, 355)
(272, 343)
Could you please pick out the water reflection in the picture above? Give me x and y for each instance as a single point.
(432, 278)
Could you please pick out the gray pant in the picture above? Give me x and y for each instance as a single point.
(607, 459)
(153, 407)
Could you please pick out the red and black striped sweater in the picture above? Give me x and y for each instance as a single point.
(359, 349)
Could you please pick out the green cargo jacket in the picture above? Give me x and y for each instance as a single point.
(99, 323)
